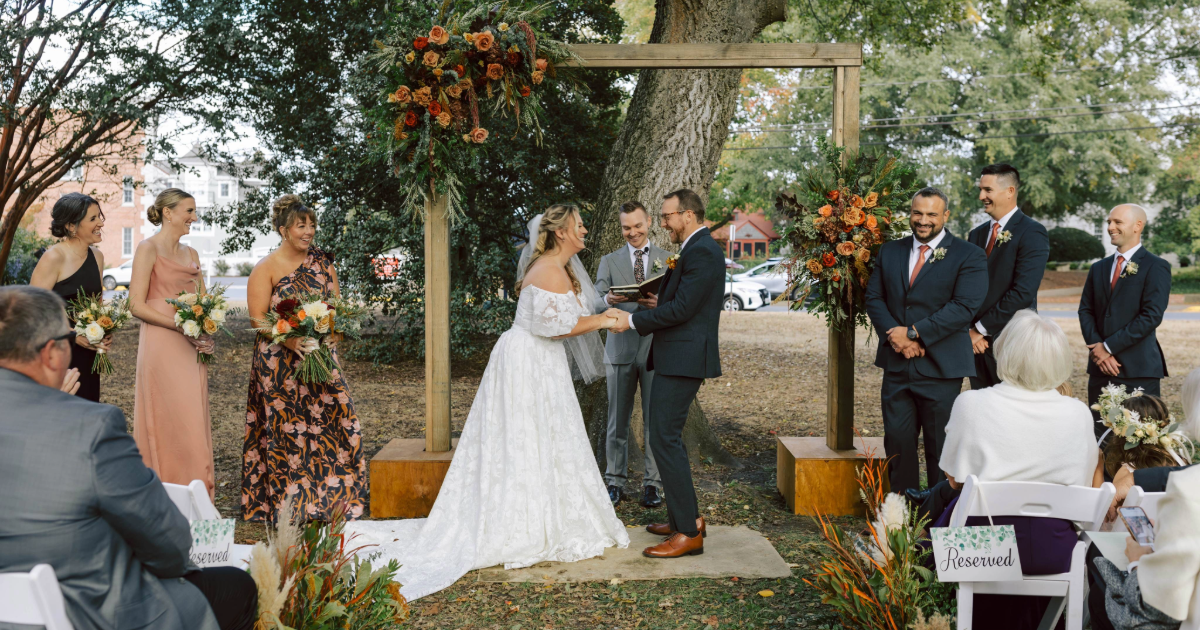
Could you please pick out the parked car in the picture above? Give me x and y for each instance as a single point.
(118, 276)
(771, 275)
(744, 296)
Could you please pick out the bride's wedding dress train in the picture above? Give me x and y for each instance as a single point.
(523, 486)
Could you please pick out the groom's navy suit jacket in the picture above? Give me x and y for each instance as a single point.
(941, 303)
(1125, 317)
(1015, 270)
(688, 314)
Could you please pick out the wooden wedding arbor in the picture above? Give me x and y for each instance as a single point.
(407, 474)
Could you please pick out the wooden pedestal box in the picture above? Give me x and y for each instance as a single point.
(811, 476)
(405, 480)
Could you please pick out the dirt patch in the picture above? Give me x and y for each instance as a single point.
(1063, 279)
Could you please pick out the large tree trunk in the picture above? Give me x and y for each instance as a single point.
(672, 137)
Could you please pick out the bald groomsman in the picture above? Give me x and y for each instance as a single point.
(1017, 249)
(1120, 309)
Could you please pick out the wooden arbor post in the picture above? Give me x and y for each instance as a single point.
(437, 324)
(839, 410)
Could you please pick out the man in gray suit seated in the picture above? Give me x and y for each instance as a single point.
(625, 353)
(77, 496)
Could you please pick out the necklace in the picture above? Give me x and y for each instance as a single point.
(71, 248)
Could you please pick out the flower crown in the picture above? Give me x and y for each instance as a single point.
(1129, 424)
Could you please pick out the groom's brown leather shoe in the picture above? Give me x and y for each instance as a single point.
(664, 529)
(676, 546)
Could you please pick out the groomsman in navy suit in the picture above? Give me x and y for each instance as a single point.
(1017, 249)
(1121, 307)
(922, 298)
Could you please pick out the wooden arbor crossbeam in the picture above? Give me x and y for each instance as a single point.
(844, 60)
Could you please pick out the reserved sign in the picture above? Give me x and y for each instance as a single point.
(976, 554)
(211, 541)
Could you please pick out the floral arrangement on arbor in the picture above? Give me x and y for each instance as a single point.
(439, 85)
(879, 580)
(846, 207)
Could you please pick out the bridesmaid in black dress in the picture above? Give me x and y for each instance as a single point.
(73, 264)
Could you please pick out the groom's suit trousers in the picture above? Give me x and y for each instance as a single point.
(673, 396)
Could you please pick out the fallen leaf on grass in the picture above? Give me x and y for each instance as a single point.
(711, 621)
(766, 593)
(431, 610)
(666, 603)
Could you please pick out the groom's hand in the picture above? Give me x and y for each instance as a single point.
(622, 324)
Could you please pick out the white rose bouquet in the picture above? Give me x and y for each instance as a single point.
(317, 321)
(96, 319)
(201, 313)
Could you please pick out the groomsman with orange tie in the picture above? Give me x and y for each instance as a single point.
(1017, 249)
(1121, 307)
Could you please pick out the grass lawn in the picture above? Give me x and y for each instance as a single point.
(774, 384)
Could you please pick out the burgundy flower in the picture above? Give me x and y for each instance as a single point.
(285, 307)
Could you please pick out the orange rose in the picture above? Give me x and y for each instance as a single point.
(454, 91)
(828, 259)
(814, 266)
(837, 277)
(431, 58)
(401, 95)
(435, 108)
(444, 119)
(210, 326)
(484, 41)
(845, 248)
(524, 90)
(282, 327)
(854, 216)
(438, 35)
(420, 43)
(495, 71)
(458, 69)
(872, 222)
(410, 119)
(540, 65)
(300, 315)
(832, 195)
(197, 310)
(537, 76)
(479, 135)
(862, 255)
(872, 199)
(105, 322)
(423, 96)
(857, 202)
(825, 210)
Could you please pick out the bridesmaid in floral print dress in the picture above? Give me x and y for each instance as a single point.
(302, 441)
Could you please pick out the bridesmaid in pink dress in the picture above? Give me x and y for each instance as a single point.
(171, 423)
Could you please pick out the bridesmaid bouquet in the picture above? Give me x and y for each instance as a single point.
(315, 320)
(201, 313)
(96, 320)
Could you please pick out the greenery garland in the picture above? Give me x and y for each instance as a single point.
(846, 207)
(431, 118)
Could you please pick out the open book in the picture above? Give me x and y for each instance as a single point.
(639, 291)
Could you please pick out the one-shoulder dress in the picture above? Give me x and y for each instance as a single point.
(87, 277)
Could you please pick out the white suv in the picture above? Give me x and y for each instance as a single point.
(744, 296)
(118, 276)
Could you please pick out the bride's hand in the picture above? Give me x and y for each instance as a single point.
(614, 313)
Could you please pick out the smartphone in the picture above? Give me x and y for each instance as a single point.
(1138, 524)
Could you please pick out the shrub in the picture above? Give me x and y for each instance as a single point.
(221, 268)
(1050, 266)
(1074, 266)
(1184, 261)
(244, 269)
(1072, 244)
(21, 259)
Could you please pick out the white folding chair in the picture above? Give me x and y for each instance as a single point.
(192, 500)
(1148, 501)
(1085, 506)
(34, 599)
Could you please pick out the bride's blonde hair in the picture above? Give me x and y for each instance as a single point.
(559, 216)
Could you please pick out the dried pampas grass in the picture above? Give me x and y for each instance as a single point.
(266, 567)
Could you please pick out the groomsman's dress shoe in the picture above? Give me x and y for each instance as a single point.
(664, 529)
(614, 495)
(676, 546)
(650, 498)
(917, 497)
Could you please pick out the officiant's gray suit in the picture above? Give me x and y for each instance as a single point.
(77, 496)
(625, 365)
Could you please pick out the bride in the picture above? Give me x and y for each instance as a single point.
(523, 486)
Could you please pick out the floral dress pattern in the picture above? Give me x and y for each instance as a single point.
(302, 441)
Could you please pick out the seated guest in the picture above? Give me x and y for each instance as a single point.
(78, 497)
(1154, 479)
(1156, 591)
(1021, 430)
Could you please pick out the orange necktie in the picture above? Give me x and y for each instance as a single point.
(1117, 271)
(992, 241)
(917, 267)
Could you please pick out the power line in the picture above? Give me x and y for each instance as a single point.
(984, 138)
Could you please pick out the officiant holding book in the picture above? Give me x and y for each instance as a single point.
(639, 263)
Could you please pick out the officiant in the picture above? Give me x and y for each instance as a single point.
(625, 353)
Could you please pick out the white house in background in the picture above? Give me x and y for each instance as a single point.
(212, 187)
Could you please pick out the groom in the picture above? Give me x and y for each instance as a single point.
(682, 355)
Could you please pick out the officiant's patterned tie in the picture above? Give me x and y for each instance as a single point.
(639, 267)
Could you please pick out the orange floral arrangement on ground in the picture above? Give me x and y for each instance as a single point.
(838, 218)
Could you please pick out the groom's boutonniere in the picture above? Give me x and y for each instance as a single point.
(656, 267)
(1130, 269)
(672, 261)
(938, 254)
(1003, 237)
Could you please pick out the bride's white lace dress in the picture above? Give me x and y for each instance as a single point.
(523, 486)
